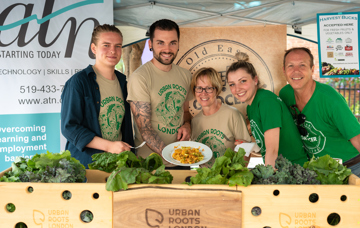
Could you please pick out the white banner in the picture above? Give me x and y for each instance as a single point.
(338, 38)
(42, 44)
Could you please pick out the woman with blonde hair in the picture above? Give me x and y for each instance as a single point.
(271, 123)
(217, 125)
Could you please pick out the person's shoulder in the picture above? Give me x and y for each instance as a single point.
(142, 72)
(328, 92)
(264, 94)
(229, 108)
(181, 69)
(230, 111)
(81, 75)
(286, 89)
(143, 68)
(325, 88)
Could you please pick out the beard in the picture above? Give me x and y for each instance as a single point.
(163, 61)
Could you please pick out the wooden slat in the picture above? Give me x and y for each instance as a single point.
(215, 206)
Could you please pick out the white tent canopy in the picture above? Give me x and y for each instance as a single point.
(134, 17)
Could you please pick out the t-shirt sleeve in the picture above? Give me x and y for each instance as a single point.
(270, 113)
(343, 118)
(138, 88)
(286, 95)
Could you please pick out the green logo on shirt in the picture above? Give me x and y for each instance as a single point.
(212, 138)
(315, 140)
(258, 135)
(170, 110)
(111, 116)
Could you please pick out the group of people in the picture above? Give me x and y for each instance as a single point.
(307, 118)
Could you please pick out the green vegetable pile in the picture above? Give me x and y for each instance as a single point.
(329, 171)
(126, 168)
(286, 173)
(227, 169)
(47, 168)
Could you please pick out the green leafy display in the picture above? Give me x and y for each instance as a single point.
(329, 171)
(126, 168)
(286, 173)
(227, 169)
(47, 167)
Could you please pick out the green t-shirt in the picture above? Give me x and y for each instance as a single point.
(266, 112)
(329, 122)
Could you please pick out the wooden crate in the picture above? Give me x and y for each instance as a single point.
(181, 206)
(290, 206)
(45, 207)
(219, 206)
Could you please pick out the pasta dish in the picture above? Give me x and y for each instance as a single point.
(187, 154)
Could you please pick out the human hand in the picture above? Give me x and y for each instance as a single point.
(117, 147)
(184, 132)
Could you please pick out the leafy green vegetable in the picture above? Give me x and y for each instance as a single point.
(329, 170)
(126, 168)
(47, 167)
(286, 173)
(108, 162)
(227, 169)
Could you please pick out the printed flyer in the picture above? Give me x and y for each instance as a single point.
(338, 40)
(42, 44)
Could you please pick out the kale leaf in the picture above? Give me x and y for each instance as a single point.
(47, 168)
(285, 173)
(126, 168)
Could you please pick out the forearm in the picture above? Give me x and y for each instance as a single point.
(355, 141)
(99, 144)
(272, 138)
(153, 140)
(270, 157)
(142, 115)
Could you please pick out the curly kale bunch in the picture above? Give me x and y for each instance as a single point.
(46, 168)
(286, 173)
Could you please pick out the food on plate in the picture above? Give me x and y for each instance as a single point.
(187, 154)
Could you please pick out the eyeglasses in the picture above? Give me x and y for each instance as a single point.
(199, 89)
(300, 119)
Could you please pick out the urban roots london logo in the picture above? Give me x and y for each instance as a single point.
(170, 108)
(212, 138)
(28, 16)
(111, 117)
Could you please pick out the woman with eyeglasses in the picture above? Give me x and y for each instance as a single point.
(217, 125)
(271, 123)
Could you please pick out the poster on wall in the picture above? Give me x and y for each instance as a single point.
(42, 44)
(338, 40)
(216, 47)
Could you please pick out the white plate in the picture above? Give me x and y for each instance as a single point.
(169, 150)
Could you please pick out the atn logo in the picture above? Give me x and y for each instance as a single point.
(48, 14)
